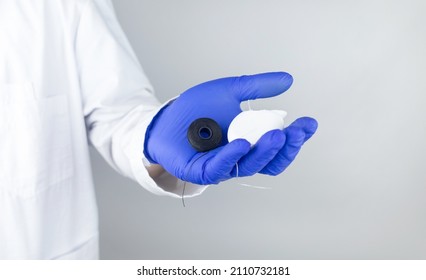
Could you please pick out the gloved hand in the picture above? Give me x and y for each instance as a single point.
(166, 140)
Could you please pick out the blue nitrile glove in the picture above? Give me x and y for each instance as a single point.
(166, 140)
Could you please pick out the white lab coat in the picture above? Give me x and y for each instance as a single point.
(68, 77)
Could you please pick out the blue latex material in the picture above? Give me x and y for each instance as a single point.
(166, 140)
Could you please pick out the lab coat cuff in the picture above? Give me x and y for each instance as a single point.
(164, 184)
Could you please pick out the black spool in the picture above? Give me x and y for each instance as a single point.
(204, 134)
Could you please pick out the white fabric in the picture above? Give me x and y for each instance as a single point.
(68, 77)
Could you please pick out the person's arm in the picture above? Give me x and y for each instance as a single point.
(118, 100)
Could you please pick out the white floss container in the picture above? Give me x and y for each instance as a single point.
(251, 125)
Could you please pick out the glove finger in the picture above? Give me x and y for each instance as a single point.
(219, 167)
(295, 137)
(309, 126)
(261, 154)
(262, 85)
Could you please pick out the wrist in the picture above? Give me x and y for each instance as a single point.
(155, 170)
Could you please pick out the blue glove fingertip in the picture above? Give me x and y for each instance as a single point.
(307, 124)
(262, 85)
(311, 125)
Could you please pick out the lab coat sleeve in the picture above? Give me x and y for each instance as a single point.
(118, 100)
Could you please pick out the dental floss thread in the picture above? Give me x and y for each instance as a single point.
(248, 185)
(237, 170)
(237, 178)
(184, 182)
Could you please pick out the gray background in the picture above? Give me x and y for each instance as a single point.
(358, 188)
